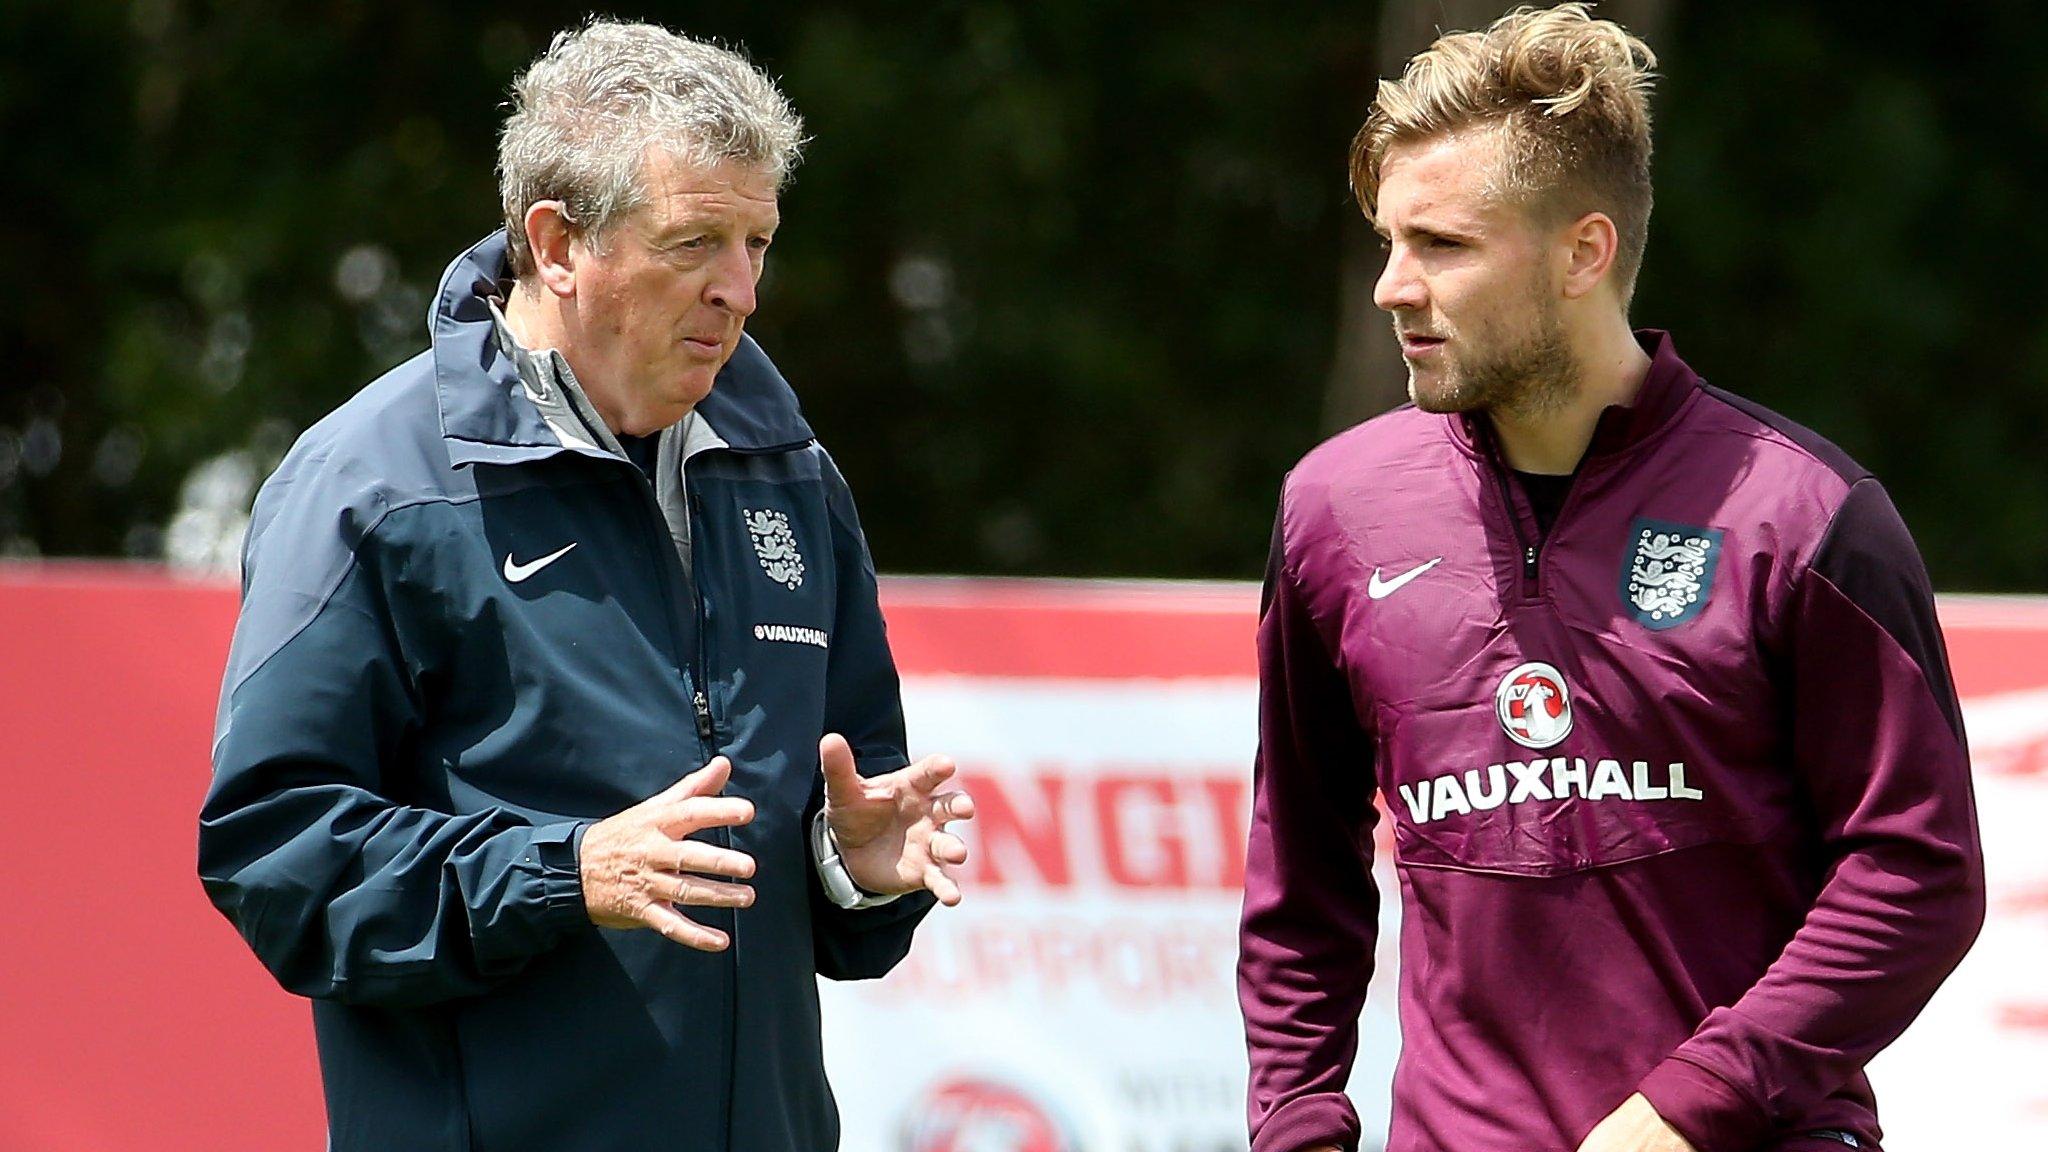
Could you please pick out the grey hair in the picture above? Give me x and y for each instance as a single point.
(585, 114)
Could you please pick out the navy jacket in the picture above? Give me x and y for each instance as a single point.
(410, 742)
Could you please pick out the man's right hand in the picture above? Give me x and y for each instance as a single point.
(637, 866)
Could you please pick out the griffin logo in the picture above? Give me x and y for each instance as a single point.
(1534, 705)
(970, 1114)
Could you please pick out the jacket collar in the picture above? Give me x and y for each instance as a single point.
(487, 417)
(1666, 388)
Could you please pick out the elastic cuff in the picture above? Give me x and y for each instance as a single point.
(1707, 1110)
(558, 850)
(1308, 1122)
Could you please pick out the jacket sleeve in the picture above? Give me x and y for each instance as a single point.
(1877, 739)
(344, 893)
(864, 703)
(1310, 908)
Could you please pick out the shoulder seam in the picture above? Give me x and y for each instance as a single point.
(1954, 721)
(1740, 405)
(327, 594)
(1289, 573)
(1827, 534)
(326, 599)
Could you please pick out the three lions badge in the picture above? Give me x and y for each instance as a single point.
(1668, 571)
(775, 546)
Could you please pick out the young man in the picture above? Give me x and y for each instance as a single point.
(497, 603)
(1649, 678)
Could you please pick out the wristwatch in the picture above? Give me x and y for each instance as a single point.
(832, 873)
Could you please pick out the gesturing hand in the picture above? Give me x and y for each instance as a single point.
(1634, 1127)
(891, 828)
(637, 865)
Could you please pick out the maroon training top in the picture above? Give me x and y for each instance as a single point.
(1680, 796)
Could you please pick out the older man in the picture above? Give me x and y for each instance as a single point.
(1650, 679)
(498, 603)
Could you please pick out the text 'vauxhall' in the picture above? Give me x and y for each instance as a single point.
(1558, 778)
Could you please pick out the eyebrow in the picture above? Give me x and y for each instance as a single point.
(1431, 229)
(691, 225)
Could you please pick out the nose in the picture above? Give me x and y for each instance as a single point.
(1400, 287)
(731, 286)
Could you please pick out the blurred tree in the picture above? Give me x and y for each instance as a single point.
(1080, 255)
(1845, 232)
(1061, 283)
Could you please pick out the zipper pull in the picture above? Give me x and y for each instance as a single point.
(1529, 562)
(703, 715)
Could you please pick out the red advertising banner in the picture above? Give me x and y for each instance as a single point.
(1105, 729)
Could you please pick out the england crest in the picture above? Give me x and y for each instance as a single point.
(775, 546)
(1668, 572)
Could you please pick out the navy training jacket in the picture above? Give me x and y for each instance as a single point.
(410, 741)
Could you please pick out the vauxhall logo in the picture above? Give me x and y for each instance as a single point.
(1558, 778)
(1534, 706)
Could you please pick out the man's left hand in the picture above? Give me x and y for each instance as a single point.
(891, 828)
(1635, 1127)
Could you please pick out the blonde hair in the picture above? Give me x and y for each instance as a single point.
(1570, 98)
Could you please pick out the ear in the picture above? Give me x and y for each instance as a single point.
(550, 239)
(1591, 243)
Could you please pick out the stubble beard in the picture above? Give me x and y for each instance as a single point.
(1530, 377)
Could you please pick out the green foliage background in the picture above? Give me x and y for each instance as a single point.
(1057, 280)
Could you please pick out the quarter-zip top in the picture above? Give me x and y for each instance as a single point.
(470, 628)
(1680, 798)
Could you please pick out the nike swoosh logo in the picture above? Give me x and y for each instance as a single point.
(516, 573)
(1379, 589)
